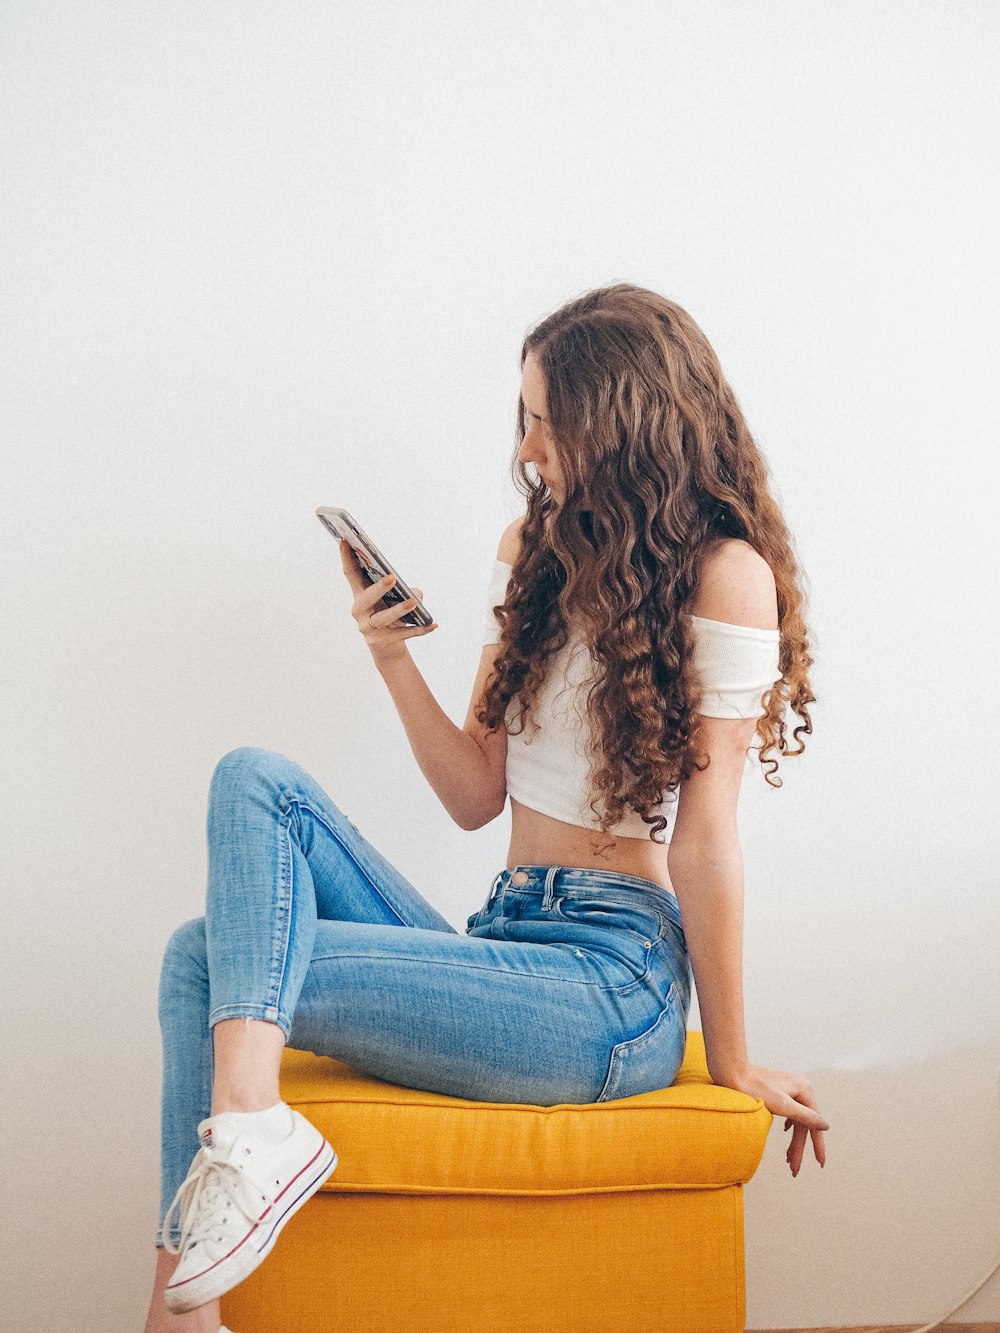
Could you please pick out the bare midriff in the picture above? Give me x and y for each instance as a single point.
(537, 839)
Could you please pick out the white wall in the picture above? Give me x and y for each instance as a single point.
(263, 257)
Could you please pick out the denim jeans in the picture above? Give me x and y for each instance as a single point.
(568, 985)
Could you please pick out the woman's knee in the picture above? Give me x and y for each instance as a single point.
(243, 764)
(185, 959)
(265, 774)
(252, 767)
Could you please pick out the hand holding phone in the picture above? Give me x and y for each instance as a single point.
(386, 609)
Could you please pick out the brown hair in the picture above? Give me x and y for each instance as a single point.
(657, 460)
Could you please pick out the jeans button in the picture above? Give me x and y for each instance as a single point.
(519, 877)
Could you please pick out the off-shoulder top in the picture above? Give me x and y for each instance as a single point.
(548, 769)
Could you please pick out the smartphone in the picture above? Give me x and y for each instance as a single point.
(340, 524)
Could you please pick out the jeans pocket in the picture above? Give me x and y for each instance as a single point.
(591, 908)
(650, 1059)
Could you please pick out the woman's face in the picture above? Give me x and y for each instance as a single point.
(537, 446)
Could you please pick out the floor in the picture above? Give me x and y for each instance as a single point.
(991, 1327)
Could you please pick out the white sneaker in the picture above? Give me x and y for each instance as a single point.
(241, 1189)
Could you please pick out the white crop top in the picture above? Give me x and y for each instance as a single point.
(548, 769)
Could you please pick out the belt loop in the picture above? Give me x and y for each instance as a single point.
(550, 881)
(493, 889)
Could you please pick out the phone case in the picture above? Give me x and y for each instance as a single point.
(340, 524)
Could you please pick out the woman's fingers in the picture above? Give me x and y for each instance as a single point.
(794, 1154)
(389, 614)
(819, 1146)
(815, 1123)
(368, 595)
(367, 604)
(380, 625)
(352, 566)
(812, 1125)
(792, 1096)
(357, 579)
(797, 1147)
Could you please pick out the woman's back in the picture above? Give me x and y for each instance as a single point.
(548, 765)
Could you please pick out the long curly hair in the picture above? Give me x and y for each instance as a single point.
(657, 460)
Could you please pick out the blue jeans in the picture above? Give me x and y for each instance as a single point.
(568, 985)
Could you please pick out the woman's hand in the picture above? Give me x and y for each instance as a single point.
(790, 1095)
(381, 633)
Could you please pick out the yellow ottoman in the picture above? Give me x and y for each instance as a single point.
(453, 1216)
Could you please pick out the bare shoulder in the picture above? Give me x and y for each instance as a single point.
(736, 584)
(510, 542)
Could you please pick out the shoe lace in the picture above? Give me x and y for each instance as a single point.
(212, 1189)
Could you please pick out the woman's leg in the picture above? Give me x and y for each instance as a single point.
(280, 856)
(261, 842)
(301, 933)
(187, 1092)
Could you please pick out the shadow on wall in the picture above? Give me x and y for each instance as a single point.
(910, 1186)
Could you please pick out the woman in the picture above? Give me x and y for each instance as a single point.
(652, 585)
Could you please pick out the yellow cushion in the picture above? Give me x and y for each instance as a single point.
(391, 1139)
(446, 1215)
(651, 1261)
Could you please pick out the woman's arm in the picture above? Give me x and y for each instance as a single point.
(709, 888)
(706, 864)
(465, 768)
(459, 771)
(705, 861)
(735, 584)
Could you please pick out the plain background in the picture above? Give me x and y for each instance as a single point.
(259, 258)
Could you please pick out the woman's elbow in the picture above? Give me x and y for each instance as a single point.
(479, 818)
